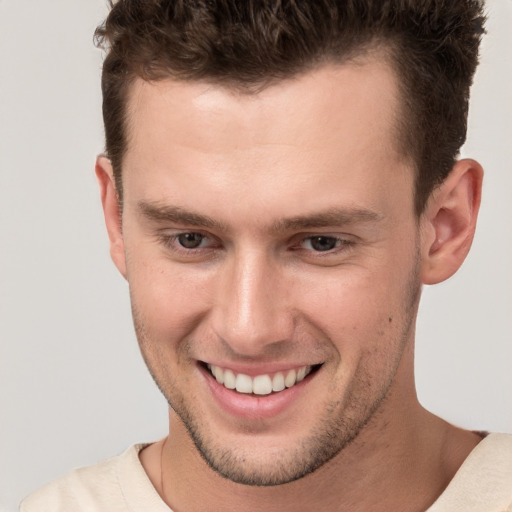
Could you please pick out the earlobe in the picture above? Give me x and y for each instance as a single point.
(111, 211)
(449, 222)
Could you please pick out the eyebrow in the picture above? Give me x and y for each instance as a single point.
(326, 218)
(179, 215)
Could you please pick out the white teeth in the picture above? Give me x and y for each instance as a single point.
(290, 379)
(243, 383)
(278, 382)
(218, 374)
(229, 379)
(261, 384)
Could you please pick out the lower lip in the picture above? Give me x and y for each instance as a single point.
(250, 406)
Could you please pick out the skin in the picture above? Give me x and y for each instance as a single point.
(308, 157)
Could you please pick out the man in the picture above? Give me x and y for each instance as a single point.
(280, 180)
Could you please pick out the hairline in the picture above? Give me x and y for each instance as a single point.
(378, 48)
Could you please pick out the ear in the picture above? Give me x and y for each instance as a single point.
(449, 222)
(111, 211)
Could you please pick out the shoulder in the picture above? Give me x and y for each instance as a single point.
(91, 488)
(484, 481)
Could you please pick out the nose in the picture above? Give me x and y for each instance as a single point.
(252, 311)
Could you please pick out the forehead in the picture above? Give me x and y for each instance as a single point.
(314, 107)
(329, 133)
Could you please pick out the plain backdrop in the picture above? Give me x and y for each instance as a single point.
(73, 387)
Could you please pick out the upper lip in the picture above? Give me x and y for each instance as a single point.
(254, 369)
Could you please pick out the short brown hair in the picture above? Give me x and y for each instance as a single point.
(433, 46)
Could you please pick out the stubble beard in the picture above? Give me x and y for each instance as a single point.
(327, 440)
(344, 422)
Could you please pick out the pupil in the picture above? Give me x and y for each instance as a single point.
(190, 240)
(323, 243)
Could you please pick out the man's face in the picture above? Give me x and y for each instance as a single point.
(268, 236)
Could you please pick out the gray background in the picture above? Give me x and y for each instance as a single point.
(73, 388)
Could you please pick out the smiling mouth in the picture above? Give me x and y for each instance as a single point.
(260, 384)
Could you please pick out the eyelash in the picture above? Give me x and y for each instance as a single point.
(341, 244)
(171, 242)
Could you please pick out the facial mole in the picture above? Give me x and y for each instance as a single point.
(390, 319)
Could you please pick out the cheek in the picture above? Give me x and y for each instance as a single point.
(351, 297)
(358, 309)
(167, 298)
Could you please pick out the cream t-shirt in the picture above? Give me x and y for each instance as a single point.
(482, 484)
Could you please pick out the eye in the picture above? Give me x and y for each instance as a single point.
(189, 246)
(322, 243)
(190, 240)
